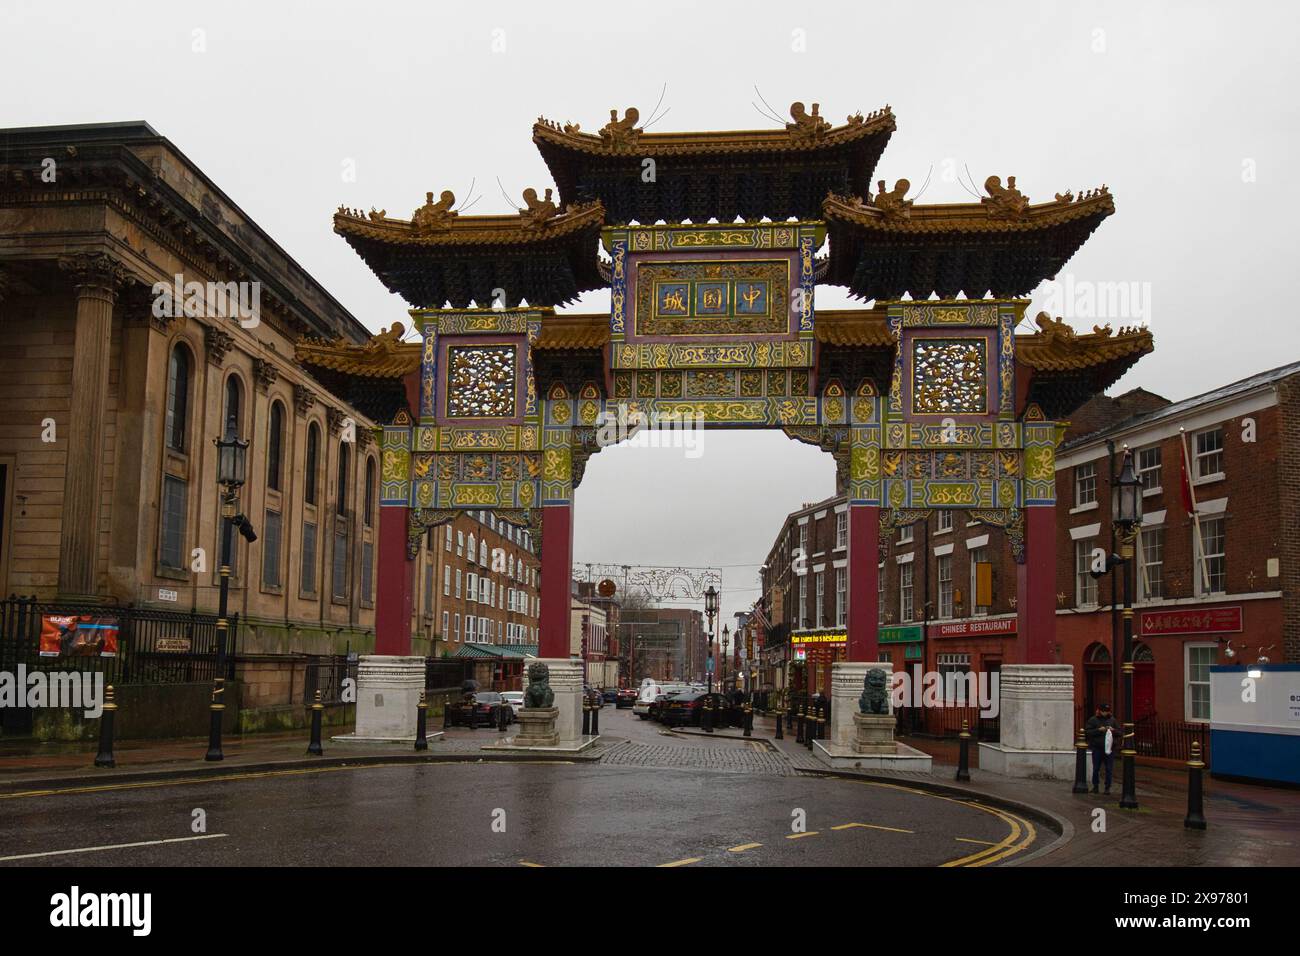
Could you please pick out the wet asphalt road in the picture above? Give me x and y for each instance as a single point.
(511, 814)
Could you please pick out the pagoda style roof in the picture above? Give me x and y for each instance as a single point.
(542, 254)
(559, 332)
(384, 356)
(889, 246)
(1066, 368)
(701, 176)
(853, 328)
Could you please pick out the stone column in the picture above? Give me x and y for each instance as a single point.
(1036, 710)
(388, 692)
(98, 277)
(847, 679)
(864, 558)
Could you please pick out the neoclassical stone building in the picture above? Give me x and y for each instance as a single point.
(113, 395)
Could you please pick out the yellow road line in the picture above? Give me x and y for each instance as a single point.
(526, 863)
(871, 826)
(969, 840)
(218, 778)
(685, 862)
(743, 847)
(800, 836)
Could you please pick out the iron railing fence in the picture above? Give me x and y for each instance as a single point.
(154, 646)
(326, 673)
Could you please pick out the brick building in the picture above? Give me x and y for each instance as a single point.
(605, 657)
(478, 595)
(1245, 471)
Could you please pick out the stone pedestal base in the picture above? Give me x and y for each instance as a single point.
(903, 757)
(875, 734)
(847, 679)
(537, 727)
(1036, 709)
(388, 692)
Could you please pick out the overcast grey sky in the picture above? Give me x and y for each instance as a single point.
(1186, 110)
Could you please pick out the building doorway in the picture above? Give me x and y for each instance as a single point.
(1098, 687)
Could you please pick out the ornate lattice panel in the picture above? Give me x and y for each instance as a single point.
(949, 376)
(481, 381)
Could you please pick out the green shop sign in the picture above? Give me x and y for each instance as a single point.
(900, 634)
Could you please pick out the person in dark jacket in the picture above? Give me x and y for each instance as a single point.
(1095, 735)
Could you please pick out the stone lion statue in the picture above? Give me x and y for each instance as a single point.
(539, 693)
(875, 692)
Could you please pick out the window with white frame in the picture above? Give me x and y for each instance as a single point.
(1085, 484)
(944, 569)
(818, 616)
(447, 539)
(1211, 569)
(1199, 659)
(458, 582)
(455, 627)
(803, 601)
(880, 595)
(471, 626)
(1148, 467)
(945, 520)
(446, 581)
(1207, 453)
(905, 604)
(841, 529)
(905, 534)
(1151, 563)
(803, 538)
(977, 556)
(951, 667)
(460, 544)
(483, 553)
(1085, 585)
(841, 595)
(446, 615)
(471, 586)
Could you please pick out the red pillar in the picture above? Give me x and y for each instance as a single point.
(393, 601)
(557, 569)
(1036, 588)
(864, 556)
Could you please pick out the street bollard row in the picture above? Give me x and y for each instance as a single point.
(422, 723)
(1195, 819)
(317, 709)
(105, 756)
(1080, 764)
(215, 711)
(963, 756)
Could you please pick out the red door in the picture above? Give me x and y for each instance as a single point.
(1144, 689)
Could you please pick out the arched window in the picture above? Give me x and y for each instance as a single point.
(1097, 654)
(1142, 654)
(343, 478)
(178, 398)
(370, 496)
(232, 425)
(313, 462)
(275, 446)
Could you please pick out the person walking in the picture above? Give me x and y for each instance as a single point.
(1102, 736)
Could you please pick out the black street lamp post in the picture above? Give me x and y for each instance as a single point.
(710, 610)
(1126, 513)
(232, 466)
(726, 642)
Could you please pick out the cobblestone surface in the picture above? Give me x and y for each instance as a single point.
(756, 759)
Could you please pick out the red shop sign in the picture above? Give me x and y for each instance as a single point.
(1210, 620)
(974, 628)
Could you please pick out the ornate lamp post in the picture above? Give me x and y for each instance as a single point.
(726, 641)
(232, 466)
(1126, 513)
(710, 610)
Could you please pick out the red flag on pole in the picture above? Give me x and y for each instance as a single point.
(1189, 499)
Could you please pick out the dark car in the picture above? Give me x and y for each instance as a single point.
(625, 698)
(479, 710)
(659, 707)
(687, 709)
(609, 695)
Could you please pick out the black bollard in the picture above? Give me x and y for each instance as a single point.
(105, 756)
(446, 714)
(798, 718)
(749, 720)
(1080, 764)
(317, 709)
(503, 716)
(586, 716)
(1195, 819)
(595, 720)
(963, 755)
(215, 710)
(810, 730)
(707, 718)
(779, 735)
(422, 724)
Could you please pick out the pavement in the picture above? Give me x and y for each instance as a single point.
(646, 793)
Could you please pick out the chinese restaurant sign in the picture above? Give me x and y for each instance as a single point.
(975, 628)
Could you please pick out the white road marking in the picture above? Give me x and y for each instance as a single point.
(114, 846)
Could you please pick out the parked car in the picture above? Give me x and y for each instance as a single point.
(515, 698)
(610, 695)
(658, 707)
(687, 710)
(478, 710)
(626, 698)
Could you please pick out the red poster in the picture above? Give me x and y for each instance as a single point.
(78, 635)
(1210, 620)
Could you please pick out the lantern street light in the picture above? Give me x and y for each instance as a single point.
(1126, 513)
(710, 611)
(726, 640)
(232, 468)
